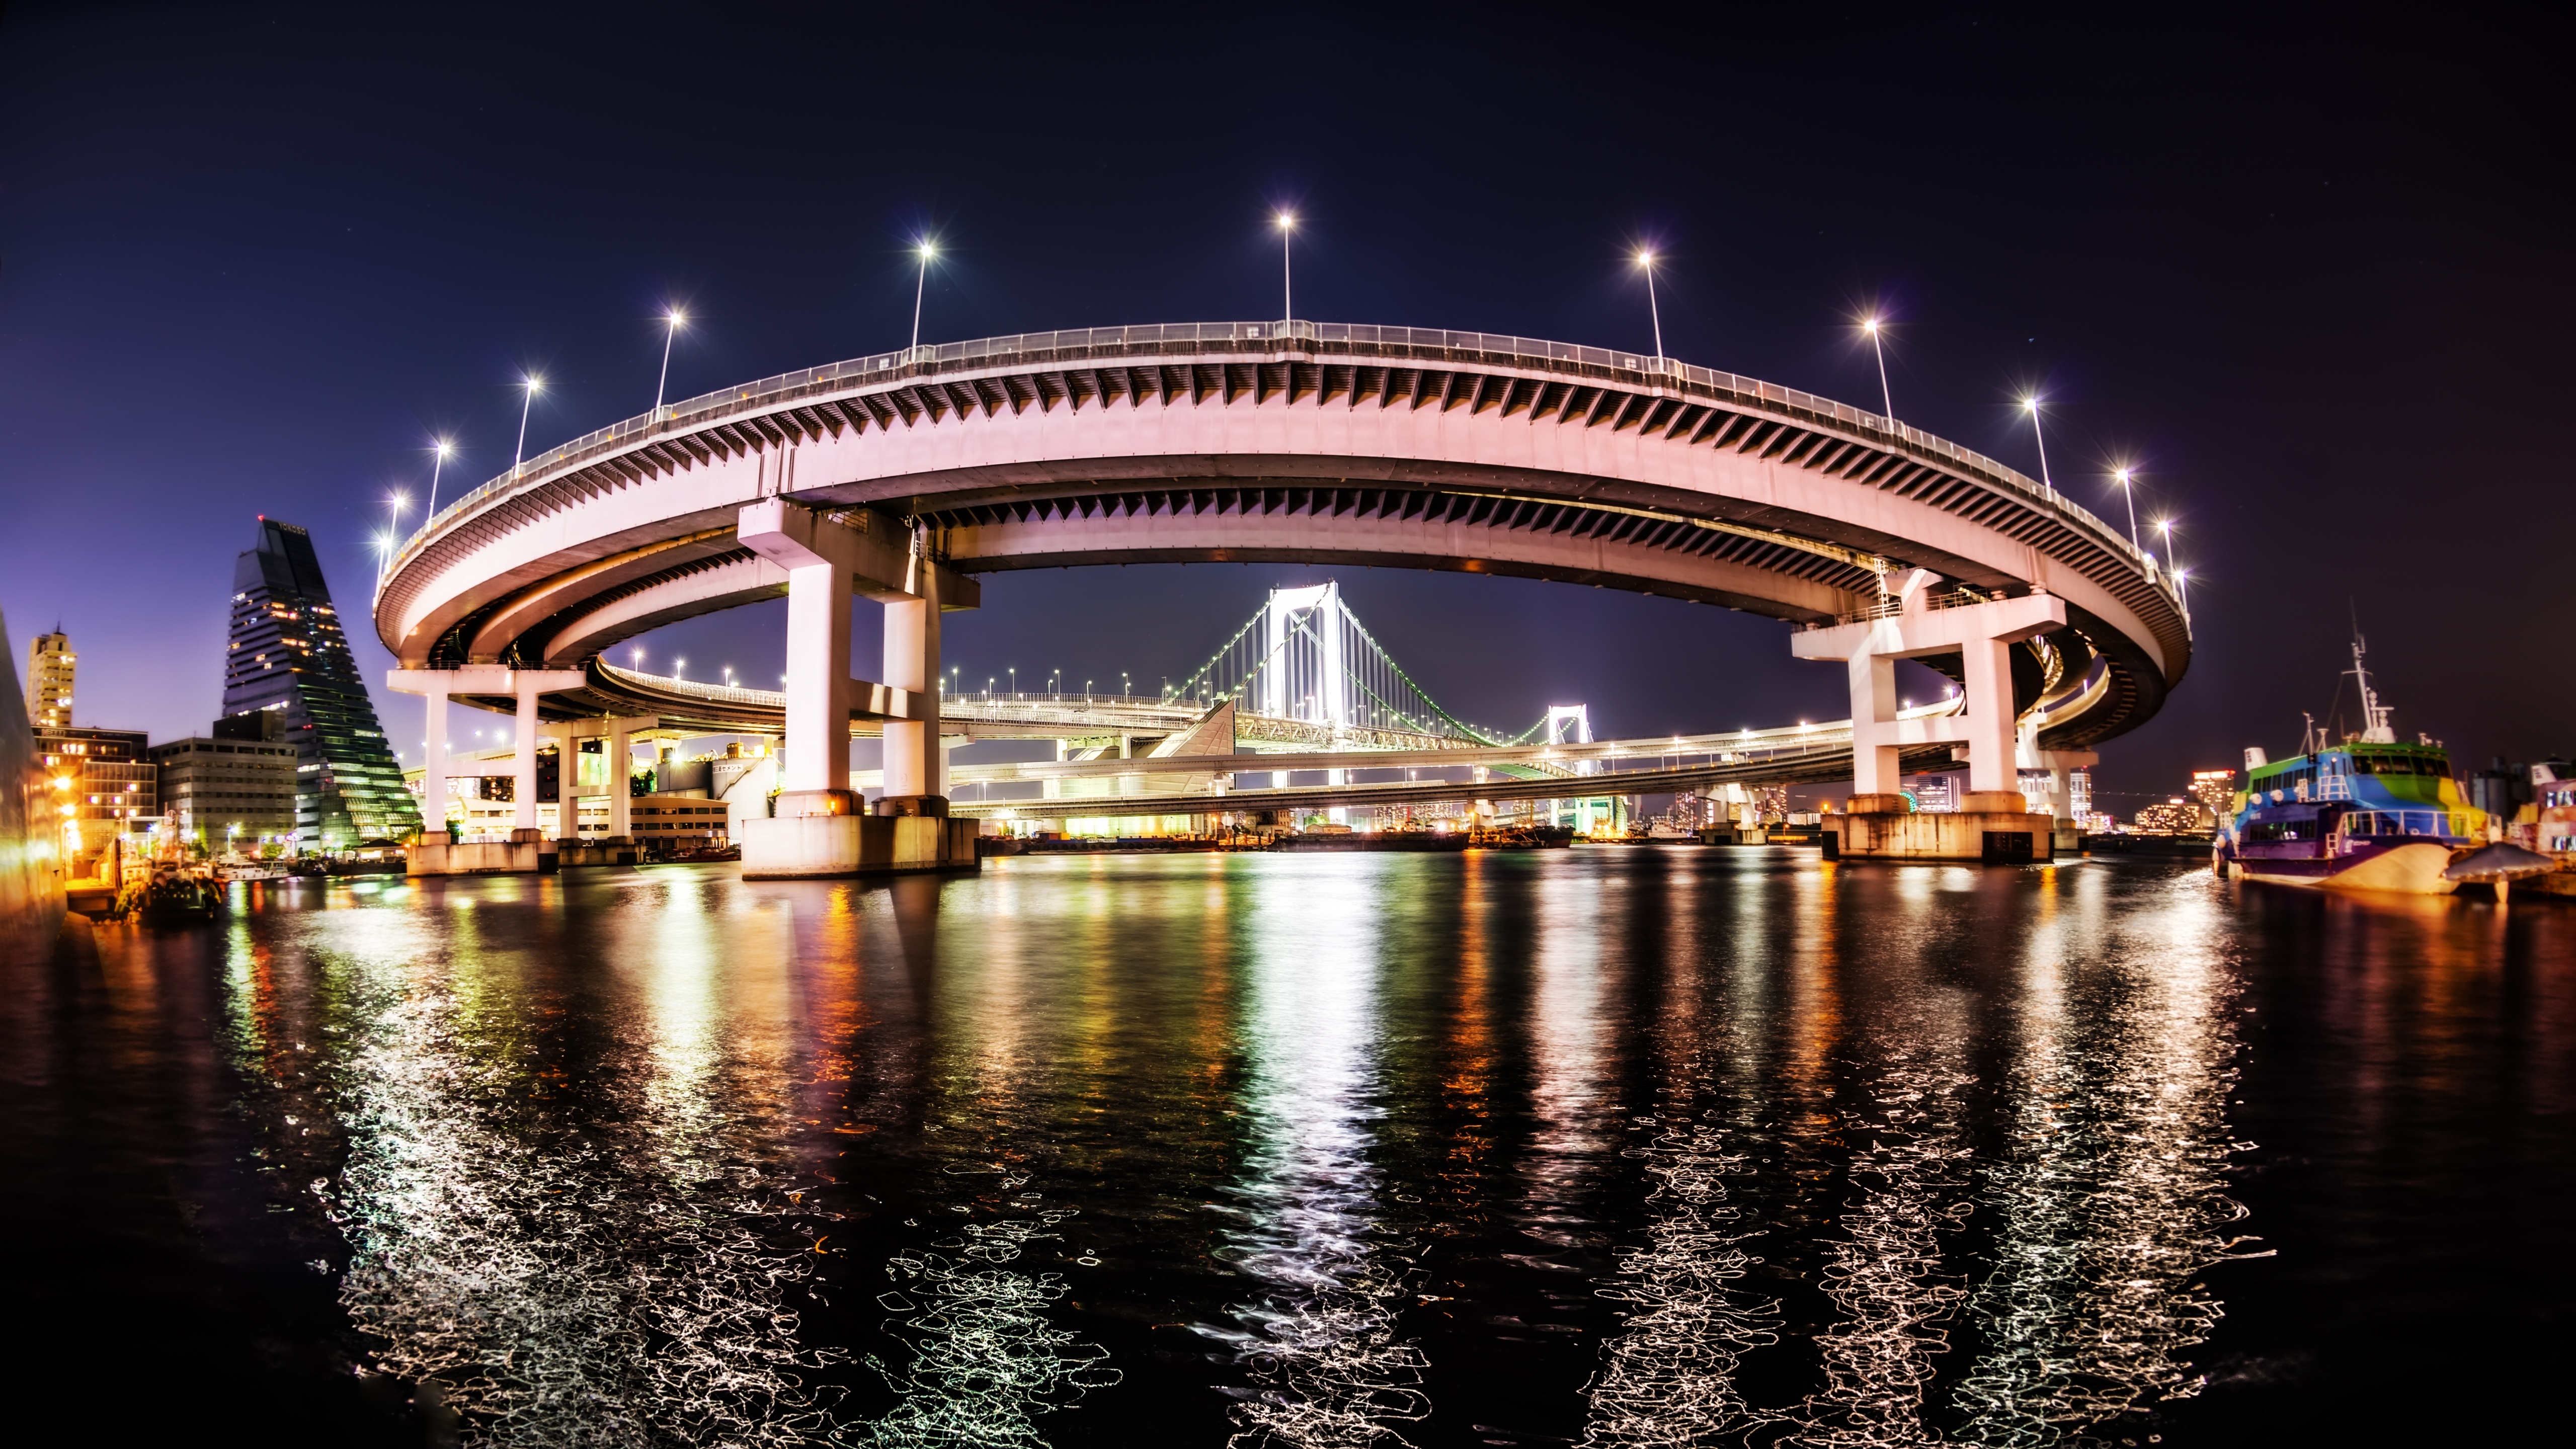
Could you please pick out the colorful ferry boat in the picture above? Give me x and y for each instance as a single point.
(2367, 814)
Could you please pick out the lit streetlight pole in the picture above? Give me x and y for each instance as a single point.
(518, 455)
(1287, 304)
(677, 320)
(920, 282)
(2128, 490)
(388, 541)
(1886, 398)
(2031, 406)
(1646, 263)
(437, 465)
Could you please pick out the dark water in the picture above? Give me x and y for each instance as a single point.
(1642, 1146)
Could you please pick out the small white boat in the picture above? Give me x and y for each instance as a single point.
(252, 870)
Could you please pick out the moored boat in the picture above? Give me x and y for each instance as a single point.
(2367, 814)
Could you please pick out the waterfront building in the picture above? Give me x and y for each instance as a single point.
(667, 823)
(2215, 790)
(50, 665)
(107, 780)
(1937, 793)
(228, 793)
(2176, 816)
(288, 654)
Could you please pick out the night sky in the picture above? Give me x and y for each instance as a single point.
(2312, 275)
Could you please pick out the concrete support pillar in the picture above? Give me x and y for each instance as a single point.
(914, 763)
(1875, 770)
(2061, 795)
(526, 686)
(1990, 715)
(1983, 634)
(621, 785)
(433, 769)
(817, 748)
(523, 770)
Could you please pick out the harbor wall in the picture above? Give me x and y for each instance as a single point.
(31, 879)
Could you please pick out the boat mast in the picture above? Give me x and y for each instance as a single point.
(2373, 713)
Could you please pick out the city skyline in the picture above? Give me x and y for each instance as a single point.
(2109, 324)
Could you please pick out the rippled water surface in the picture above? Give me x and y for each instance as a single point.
(1606, 1146)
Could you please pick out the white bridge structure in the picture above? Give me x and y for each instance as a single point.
(910, 477)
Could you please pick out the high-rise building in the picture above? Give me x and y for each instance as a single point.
(50, 662)
(289, 654)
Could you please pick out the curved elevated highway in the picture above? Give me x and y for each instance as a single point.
(1295, 441)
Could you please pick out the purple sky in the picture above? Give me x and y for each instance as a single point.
(2311, 277)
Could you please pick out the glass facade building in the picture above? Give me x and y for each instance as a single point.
(288, 654)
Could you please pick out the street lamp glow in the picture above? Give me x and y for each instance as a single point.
(2129, 491)
(1646, 263)
(675, 320)
(534, 384)
(1886, 398)
(439, 451)
(1287, 221)
(2031, 405)
(927, 249)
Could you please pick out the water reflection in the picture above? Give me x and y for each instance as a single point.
(2110, 1180)
(1327, 1367)
(1617, 1147)
(568, 1241)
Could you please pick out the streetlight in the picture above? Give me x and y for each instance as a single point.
(1886, 398)
(1646, 263)
(1014, 671)
(927, 249)
(2129, 491)
(1287, 227)
(534, 384)
(677, 320)
(679, 667)
(2031, 406)
(438, 464)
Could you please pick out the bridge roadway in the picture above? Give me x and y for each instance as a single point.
(1217, 442)
(911, 476)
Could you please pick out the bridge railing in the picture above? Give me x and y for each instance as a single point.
(1091, 341)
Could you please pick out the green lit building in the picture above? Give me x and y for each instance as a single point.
(288, 654)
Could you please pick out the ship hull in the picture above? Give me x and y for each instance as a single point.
(2413, 869)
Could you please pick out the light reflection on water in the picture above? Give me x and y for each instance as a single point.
(1327, 1367)
(1107, 1150)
